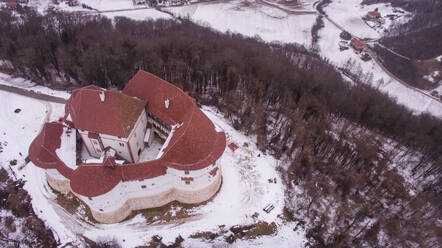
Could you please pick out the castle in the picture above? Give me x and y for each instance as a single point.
(116, 128)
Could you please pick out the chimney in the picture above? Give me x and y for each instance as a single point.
(102, 96)
(166, 103)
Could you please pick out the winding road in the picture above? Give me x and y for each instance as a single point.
(374, 56)
(32, 94)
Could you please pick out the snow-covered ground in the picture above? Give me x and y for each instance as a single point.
(110, 4)
(349, 13)
(139, 14)
(245, 189)
(419, 103)
(67, 150)
(251, 19)
(6, 79)
(151, 152)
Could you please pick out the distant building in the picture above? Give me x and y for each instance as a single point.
(11, 5)
(374, 15)
(357, 44)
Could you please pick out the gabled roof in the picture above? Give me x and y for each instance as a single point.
(104, 111)
(374, 13)
(356, 42)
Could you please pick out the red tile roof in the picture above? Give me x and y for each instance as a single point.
(374, 13)
(116, 115)
(42, 151)
(11, 4)
(194, 145)
(357, 43)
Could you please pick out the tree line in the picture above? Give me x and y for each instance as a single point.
(287, 96)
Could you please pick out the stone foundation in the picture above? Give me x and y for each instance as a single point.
(60, 185)
(158, 200)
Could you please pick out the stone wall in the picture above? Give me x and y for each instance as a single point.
(158, 200)
(60, 184)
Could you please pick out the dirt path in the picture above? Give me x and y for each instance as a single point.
(32, 94)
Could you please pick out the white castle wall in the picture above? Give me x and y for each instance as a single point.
(88, 143)
(118, 203)
(114, 142)
(57, 181)
(136, 137)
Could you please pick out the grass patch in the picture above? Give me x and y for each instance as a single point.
(169, 212)
(67, 201)
(261, 228)
(204, 235)
(73, 205)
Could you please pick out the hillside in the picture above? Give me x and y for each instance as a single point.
(352, 166)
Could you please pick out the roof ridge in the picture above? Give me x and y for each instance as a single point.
(185, 129)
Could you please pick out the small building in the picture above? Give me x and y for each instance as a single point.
(73, 3)
(11, 5)
(373, 15)
(357, 44)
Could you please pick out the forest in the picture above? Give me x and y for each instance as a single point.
(343, 144)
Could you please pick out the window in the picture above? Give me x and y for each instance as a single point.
(101, 209)
(99, 150)
(143, 186)
(187, 182)
(186, 172)
(122, 144)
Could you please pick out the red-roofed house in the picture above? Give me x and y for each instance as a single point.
(113, 123)
(374, 15)
(11, 5)
(357, 44)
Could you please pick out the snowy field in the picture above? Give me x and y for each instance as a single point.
(110, 4)
(245, 189)
(328, 44)
(250, 19)
(349, 13)
(29, 85)
(140, 14)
